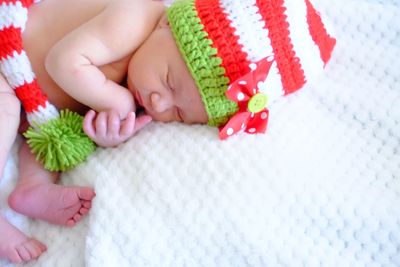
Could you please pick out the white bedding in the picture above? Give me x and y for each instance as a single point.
(321, 188)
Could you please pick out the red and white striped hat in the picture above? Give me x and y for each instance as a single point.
(15, 65)
(58, 141)
(224, 42)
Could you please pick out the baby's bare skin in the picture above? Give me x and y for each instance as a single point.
(49, 21)
(98, 55)
(50, 202)
(36, 194)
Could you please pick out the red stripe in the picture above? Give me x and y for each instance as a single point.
(25, 3)
(10, 41)
(31, 96)
(219, 30)
(292, 75)
(319, 34)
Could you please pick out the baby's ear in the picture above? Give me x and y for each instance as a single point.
(163, 23)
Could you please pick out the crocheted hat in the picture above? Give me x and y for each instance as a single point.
(249, 47)
(57, 139)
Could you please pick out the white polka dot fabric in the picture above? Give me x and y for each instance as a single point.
(321, 188)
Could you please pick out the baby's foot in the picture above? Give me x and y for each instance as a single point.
(52, 203)
(15, 246)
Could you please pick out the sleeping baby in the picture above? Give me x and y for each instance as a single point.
(215, 62)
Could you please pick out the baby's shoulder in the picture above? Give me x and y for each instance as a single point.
(126, 24)
(133, 15)
(136, 9)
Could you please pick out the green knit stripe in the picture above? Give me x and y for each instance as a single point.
(202, 61)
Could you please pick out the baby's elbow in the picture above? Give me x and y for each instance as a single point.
(60, 64)
(54, 63)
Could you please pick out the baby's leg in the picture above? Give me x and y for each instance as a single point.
(14, 245)
(38, 197)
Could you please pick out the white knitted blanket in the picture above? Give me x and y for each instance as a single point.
(321, 188)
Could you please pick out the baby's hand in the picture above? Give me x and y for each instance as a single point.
(107, 130)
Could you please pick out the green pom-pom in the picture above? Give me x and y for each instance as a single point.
(60, 144)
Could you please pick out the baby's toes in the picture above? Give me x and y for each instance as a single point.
(23, 252)
(14, 257)
(77, 217)
(83, 211)
(70, 223)
(41, 246)
(86, 204)
(86, 193)
(35, 248)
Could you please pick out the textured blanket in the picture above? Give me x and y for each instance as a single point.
(321, 188)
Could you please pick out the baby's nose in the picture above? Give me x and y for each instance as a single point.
(160, 103)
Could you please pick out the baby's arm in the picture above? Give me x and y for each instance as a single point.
(9, 120)
(115, 33)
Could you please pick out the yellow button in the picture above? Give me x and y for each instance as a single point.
(257, 103)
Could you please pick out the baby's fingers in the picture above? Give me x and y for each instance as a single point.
(101, 124)
(128, 126)
(113, 127)
(133, 124)
(142, 121)
(88, 127)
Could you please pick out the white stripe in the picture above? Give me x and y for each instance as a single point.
(249, 26)
(13, 15)
(246, 19)
(42, 115)
(303, 45)
(17, 69)
(272, 86)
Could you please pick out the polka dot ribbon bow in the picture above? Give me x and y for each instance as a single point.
(252, 116)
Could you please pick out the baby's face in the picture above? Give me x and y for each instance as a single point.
(161, 82)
